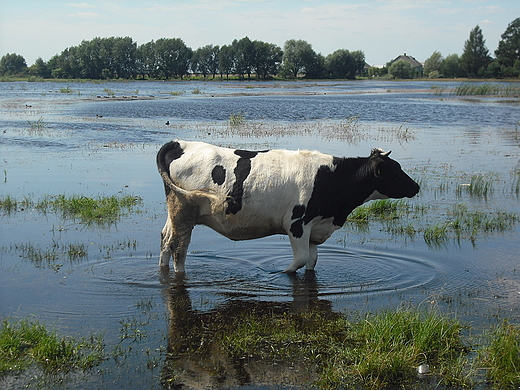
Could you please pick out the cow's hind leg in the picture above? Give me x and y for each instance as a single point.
(176, 234)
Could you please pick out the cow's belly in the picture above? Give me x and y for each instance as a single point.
(236, 228)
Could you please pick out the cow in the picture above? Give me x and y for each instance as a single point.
(244, 195)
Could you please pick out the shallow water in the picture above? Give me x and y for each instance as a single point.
(89, 144)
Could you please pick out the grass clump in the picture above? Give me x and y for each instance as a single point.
(502, 356)
(103, 210)
(380, 209)
(394, 344)
(27, 343)
(237, 119)
(479, 186)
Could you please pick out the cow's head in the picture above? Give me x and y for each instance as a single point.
(389, 179)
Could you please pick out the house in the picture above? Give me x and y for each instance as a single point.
(418, 67)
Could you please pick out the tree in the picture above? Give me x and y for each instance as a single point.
(450, 66)
(298, 58)
(475, 57)
(343, 64)
(226, 60)
(205, 60)
(244, 56)
(267, 58)
(12, 64)
(172, 57)
(433, 64)
(508, 51)
(40, 69)
(401, 70)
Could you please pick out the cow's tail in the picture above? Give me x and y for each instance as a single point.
(202, 198)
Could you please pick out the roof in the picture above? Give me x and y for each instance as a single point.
(412, 61)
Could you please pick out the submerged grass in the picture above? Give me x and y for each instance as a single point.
(102, 210)
(487, 89)
(27, 343)
(479, 186)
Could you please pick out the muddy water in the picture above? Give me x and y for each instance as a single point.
(101, 139)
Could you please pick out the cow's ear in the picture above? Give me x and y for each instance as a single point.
(377, 164)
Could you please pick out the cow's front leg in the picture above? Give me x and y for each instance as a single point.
(301, 252)
(313, 257)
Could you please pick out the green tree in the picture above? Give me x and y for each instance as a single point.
(450, 66)
(267, 58)
(343, 64)
(226, 60)
(12, 64)
(146, 61)
(508, 51)
(433, 64)
(172, 57)
(205, 60)
(401, 70)
(244, 56)
(475, 57)
(40, 69)
(298, 58)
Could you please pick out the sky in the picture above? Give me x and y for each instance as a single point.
(382, 29)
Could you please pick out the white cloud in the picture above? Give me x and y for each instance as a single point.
(87, 15)
(80, 5)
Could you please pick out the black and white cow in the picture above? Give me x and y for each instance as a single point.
(242, 194)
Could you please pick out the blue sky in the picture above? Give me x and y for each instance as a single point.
(382, 29)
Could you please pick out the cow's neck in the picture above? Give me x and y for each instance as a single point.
(359, 186)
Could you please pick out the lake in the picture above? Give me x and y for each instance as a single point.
(100, 139)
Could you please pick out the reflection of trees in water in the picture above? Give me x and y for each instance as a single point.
(195, 357)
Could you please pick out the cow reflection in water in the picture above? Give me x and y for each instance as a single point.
(195, 360)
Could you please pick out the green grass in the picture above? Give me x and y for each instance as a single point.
(101, 210)
(487, 89)
(479, 186)
(380, 350)
(382, 209)
(237, 119)
(51, 257)
(27, 343)
(66, 90)
(501, 356)
(37, 127)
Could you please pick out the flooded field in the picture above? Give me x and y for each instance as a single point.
(454, 246)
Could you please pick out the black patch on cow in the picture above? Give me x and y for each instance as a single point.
(245, 153)
(337, 191)
(170, 151)
(242, 170)
(297, 228)
(218, 174)
(173, 152)
(298, 211)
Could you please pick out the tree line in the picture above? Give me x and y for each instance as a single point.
(168, 58)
